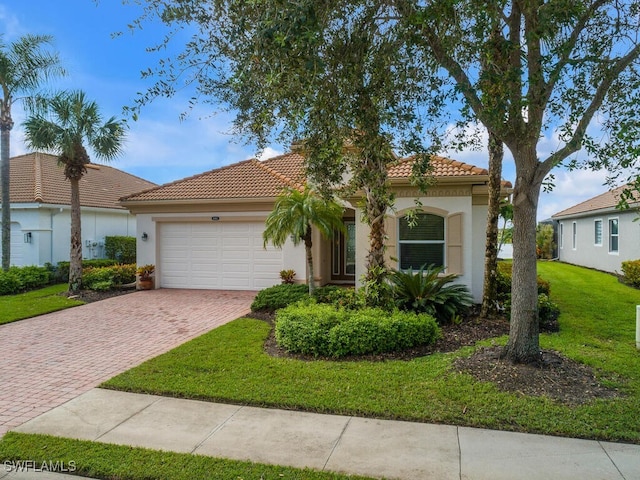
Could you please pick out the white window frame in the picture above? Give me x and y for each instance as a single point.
(574, 235)
(595, 232)
(616, 235)
(442, 242)
(561, 235)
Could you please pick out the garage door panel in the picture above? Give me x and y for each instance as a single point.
(217, 255)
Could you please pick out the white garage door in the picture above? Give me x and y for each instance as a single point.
(226, 256)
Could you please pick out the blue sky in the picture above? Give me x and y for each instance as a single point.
(160, 147)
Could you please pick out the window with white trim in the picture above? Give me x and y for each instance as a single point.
(597, 232)
(422, 243)
(562, 235)
(574, 235)
(613, 235)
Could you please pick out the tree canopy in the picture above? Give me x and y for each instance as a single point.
(399, 73)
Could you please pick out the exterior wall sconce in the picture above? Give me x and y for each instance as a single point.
(28, 237)
(144, 236)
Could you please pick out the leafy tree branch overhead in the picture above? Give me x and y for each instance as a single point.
(399, 72)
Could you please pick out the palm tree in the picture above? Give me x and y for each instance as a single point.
(293, 215)
(24, 66)
(67, 122)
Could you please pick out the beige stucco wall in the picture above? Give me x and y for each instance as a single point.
(465, 230)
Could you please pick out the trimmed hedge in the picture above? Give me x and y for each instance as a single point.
(279, 296)
(631, 271)
(61, 270)
(120, 248)
(107, 278)
(22, 279)
(324, 330)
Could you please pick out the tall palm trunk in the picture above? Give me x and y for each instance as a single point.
(307, 247)
(6, 124)
(75, 254)
(490, 288)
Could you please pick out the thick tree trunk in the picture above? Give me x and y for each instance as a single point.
(523, 345)
(307, 246)
(6, 124)
(75, 254)
(490, 287)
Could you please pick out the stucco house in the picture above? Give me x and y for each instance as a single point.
(596, 234)
(206, 231)
(40, 209)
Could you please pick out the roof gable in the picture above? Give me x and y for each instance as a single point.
(606, 200)
(266, 179)
(37, 178)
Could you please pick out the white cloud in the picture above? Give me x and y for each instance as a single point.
(570, 189)
(10, 24)
(269, 152)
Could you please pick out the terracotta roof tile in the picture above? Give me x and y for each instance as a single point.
(37, 177)
(255, 179)
(442, 167)
(603, 201)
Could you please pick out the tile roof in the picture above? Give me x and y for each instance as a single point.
(37, 178)
(265, 179)
(442, 167)
(605, 200)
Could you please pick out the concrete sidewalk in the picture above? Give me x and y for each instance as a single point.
(376, 448)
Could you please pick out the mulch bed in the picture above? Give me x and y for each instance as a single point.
(553, 376)
(89, 296)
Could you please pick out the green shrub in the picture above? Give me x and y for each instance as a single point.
(631, 271)
(23, 279)
(324, 330)
(428, 291)
(548, 313)
(61, 270)
(279, 296)
(345, 297)
(9, 283)
(121, 249)
(105, 278)
(504, 282)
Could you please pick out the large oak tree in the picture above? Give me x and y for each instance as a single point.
(375, 70)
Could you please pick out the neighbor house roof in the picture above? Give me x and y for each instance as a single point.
(607, 200)
(266, 179)
(37, 178)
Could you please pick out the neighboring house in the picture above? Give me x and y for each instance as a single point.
(40, 209)
(206, 231)
(597, 235)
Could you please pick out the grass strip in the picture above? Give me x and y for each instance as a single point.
(229, 365)
(34, 303)
(106, 461)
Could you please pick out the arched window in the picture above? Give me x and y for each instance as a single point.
(423, 243)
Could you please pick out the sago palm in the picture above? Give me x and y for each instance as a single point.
(24, 66)
(293, 215)
(63, 127)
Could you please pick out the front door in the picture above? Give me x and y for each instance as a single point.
(344, 254)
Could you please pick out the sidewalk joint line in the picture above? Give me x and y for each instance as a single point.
(611, 460)
(335, 445)
(129, 417)
(216, 429)
(459, 452)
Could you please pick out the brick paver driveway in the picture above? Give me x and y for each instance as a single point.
(48, 360)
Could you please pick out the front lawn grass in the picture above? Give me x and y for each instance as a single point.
(35, 302)
(597, 327)
(99, 460)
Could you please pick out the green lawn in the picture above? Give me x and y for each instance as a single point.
(597, 328)
(33, 303)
